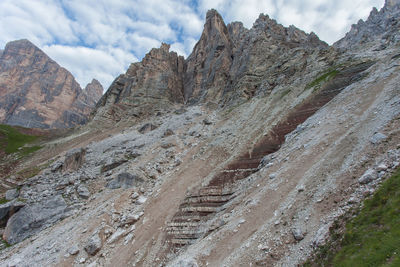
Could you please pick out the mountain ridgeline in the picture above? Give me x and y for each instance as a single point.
(229, 64)
(37, 93)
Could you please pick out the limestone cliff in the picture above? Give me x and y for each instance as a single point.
(146, 87)
(228, 64)
(36, 92)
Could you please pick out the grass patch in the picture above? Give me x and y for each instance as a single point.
(3, 201)
(14, 141)
(322, 79)
(5, 243)
(29, 172)
(372, 237)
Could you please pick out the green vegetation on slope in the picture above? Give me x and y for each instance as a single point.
(11, 140)
(330, 74)
(372, 238)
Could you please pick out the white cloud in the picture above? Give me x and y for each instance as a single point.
(94, 63)
(100, 38)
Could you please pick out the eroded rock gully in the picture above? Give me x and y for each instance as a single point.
(200, 205)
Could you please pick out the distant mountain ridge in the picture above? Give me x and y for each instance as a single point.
(36, 92)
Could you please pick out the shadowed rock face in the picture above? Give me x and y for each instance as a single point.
(207, 67)
(228, 64)
(146, 87)
(36, 92)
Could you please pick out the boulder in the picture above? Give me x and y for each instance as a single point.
(93, 245)
(298, 234)
(8, 209)
(116, 235)
(148, 127)
(74, 159)
(83, 191)
(377, 138)
(124, 180)
(112, 162)
(12, 194)
(368, 176)
(57, 166)
(74, 250)
(31, 219)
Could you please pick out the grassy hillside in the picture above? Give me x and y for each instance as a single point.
(13, 140)
(372, 237)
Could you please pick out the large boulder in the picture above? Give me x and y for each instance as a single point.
(74, 159)
(31, 219)
(124, 180)
(8, 209)
(93, 245)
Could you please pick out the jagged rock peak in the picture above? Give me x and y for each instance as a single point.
(265, 25)
(36, 92)
(94, 91)
(380, 30)
(149, 86)
(208, 64)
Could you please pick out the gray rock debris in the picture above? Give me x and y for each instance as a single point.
(74, 250)
(83, 191)
(93, 245)
(266, 160)
(33, 218)
(377, 138)
(368, 176)
(112, 163)
(148, 127)
(298, 234)
(168, 132)
(124, 180)
(12, 194)
(117, 235)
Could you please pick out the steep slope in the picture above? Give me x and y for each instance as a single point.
(37, 93)
(256, 180)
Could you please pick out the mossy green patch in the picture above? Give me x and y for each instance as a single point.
(29, 172)
(3, 200)
(327, 76)
(14, 141)
(372, 237)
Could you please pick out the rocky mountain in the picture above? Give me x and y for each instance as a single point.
(37, 93)
(381, 25)
(250, 152)
(229, 64)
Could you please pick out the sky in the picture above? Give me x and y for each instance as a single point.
(100, 38)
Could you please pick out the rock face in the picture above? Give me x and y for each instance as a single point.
(208, 65)
(36, 92)
(146, 88)
(33, 218)
(228, 64)
(382, 26)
